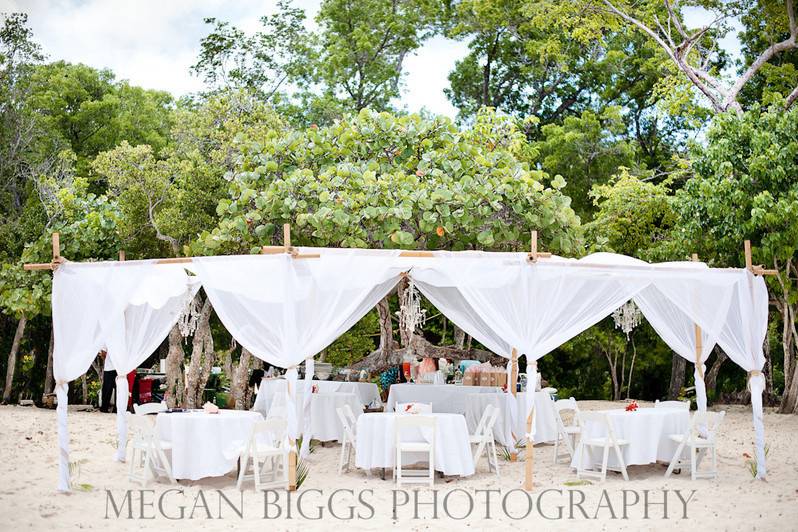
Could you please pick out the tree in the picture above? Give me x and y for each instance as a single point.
(364, 44)
(87, 111)
(745, 188)
(376, 180)
(691, 51)
(265, 63)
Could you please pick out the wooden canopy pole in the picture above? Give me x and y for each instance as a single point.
(756, 269)
(513, 386)
(699, 344)
(534, 254)
(121, 255)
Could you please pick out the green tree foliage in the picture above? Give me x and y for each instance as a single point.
(264, 63)
(167, 200)
(386, 181)
(633, 216)
(88, 111)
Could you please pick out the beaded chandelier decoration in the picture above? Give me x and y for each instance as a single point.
(627, 317)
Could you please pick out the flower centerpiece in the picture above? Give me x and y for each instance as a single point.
(632, 407)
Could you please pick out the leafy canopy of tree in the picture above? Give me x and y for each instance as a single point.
(385, 181)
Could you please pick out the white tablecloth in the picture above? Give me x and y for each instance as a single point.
(444, 398)
(200, 440)
(508, 424)
(324, 422)
(376, 443)
(647, 432)
(367, 392)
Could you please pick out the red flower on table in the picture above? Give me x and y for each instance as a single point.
(408, 407)
(631, 407)
(314, 389)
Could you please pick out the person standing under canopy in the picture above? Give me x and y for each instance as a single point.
(109, 383)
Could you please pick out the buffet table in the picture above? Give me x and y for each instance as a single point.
(445, 398)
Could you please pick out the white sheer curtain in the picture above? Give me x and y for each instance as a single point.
(126, 307)
(742, 337)
(284, 310)
(509, 302)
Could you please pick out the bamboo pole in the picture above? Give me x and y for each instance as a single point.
(56, 246)
(287, 237)
(699, 344)
(121, 255)
(513, 389)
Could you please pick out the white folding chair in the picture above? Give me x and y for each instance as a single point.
(420, 423)
(483, 438)
(267, 449)
(700, 437)
(568, 433)
(672, 404)
(348, 421)
(606, 442)
(419, 408)
(148, 457)
(149, 408)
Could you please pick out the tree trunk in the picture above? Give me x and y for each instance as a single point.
(711, 378)
(195, 378)
(678, 367)
(12, 358)
(631, 367)
(48, 374)
(175, 387)
(84, 385)
(459, 336)
(789, 342)
(240, 380)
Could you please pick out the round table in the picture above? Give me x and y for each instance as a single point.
(376, 447)
(511, 424)
(202, 443)
(646, 430)
(325, 425)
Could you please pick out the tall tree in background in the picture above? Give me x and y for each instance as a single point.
(266, 63)
(364, 45)
(693, 51)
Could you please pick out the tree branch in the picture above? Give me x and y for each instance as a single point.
(791, 98)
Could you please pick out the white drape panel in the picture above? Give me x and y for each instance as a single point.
(741, 338)
(284, 310)
(512, 303)
(126, 307)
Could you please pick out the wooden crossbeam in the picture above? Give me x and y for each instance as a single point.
(534, 254)
(756, 269)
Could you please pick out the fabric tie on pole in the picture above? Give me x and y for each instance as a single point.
(700, 388)
(62, 393)
(291, 377)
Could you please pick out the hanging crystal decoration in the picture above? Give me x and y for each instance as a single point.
(627, 317)
(187, 322)
(411, 315)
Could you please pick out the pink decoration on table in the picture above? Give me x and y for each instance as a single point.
(210, 408)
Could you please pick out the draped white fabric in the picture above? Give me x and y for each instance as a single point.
(125, 307)
(284, 310)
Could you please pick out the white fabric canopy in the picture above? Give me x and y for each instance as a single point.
(127, 308)
(285, 310)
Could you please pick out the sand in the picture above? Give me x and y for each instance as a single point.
(734, 501)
